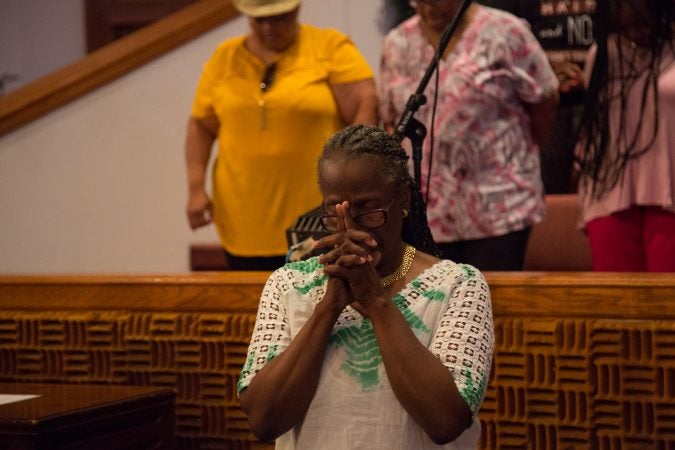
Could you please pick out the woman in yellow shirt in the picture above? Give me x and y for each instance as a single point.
(271, 99)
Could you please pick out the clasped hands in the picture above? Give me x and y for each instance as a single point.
(350, 263)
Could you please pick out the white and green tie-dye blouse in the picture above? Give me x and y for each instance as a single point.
(448, 308)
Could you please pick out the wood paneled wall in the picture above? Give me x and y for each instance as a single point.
(582, 360)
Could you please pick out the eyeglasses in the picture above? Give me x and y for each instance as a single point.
(368, 219)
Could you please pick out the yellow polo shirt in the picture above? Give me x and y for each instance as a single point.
(269, 142)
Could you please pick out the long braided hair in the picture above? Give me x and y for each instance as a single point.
(367, 140)
(604, 151)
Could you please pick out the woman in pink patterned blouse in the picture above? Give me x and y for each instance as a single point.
(497, 98)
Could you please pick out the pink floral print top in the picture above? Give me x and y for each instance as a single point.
(485, 174)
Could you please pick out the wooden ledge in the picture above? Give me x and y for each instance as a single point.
(631, 296)
(637, 296)
(204, 292)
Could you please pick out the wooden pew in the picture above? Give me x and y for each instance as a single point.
(583, 360)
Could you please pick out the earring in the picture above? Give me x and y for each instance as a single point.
(404, 213)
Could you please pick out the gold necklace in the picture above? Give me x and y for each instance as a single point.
(402, 270)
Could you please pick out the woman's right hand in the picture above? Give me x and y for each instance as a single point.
(199, 209)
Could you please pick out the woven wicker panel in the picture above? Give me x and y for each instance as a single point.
(199, 355)
(556, 383)
(577, 384)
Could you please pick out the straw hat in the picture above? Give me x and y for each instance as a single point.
(263, 8)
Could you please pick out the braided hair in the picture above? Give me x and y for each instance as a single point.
(356, 140)
(604, 156)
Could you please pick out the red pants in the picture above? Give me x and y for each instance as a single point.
(639, 239)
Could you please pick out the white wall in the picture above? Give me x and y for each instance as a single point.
(99, 185)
